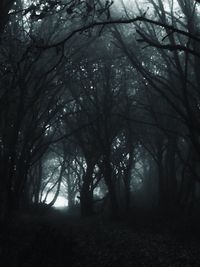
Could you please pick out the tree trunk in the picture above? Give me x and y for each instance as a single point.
(5, 5)
(111, 187)
(70, 192)
(171, 174)
(87, 208)
(162, 199)
(127, 178)
(86, 194)
(58, 183)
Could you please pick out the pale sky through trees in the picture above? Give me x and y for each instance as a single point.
(61, 202)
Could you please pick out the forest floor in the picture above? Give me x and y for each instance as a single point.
(59, 240)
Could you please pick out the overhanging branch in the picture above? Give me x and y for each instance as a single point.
(120, 21)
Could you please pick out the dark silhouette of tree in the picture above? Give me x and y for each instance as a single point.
(98, 88)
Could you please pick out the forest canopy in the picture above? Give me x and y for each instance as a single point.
(100, 104)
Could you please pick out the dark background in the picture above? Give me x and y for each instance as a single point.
(100, 105)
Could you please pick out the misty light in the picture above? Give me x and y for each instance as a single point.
(61, 202)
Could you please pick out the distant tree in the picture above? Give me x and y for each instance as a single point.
(5, 6)
(99, 100)
(171, 75)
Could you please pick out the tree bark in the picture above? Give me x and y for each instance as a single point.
(86, 194)
(5, 6)
(110, 183)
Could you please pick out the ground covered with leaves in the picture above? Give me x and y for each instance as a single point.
(61, 240)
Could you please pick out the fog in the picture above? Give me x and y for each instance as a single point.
(99, 133)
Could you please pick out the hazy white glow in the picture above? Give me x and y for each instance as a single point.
(131, 6)
(60, 202)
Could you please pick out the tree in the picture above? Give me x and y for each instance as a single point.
(173, 78)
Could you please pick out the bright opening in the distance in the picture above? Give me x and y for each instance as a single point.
(61, 202)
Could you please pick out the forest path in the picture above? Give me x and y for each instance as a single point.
(64, 241)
